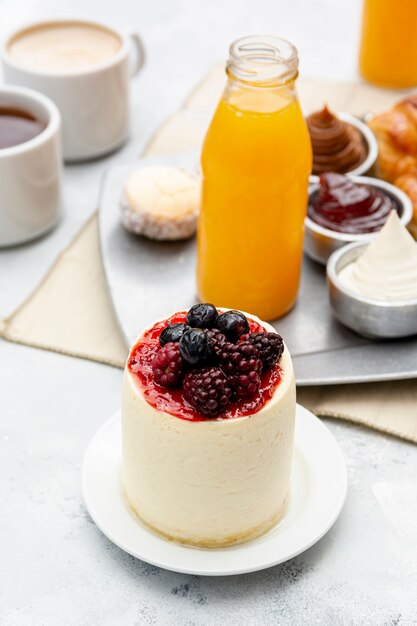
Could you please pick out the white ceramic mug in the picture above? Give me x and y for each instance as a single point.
(30, 172)
(93, 101)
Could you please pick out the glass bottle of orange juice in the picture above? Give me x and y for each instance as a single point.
(388, 49)
(256, 161)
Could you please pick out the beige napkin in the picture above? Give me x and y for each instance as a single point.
(70, 311)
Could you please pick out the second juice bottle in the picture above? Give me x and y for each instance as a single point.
(255, 163)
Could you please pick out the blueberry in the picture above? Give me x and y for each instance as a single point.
(173, 332)
(233, 324)
(202, 316)
(195, 347)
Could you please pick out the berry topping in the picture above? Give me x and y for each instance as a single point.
(242, 364)
(216, 339)
(195, 347)
(168, 365)
(173, 332)
(270, 346)
(202, 316)
(207, 390)
(233, 324)
(224, 379)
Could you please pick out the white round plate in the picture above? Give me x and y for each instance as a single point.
(318, 491)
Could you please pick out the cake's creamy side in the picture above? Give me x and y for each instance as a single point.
(213, 482)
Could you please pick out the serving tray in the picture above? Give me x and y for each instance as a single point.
(148, 280)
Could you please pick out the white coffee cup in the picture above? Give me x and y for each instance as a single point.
(30, 172)
(93, 100)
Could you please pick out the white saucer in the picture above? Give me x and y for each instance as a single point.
(318, 491)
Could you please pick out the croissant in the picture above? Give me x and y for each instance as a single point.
(408, 183)
(396, 132)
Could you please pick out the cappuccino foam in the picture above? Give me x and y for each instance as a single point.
(63, 47)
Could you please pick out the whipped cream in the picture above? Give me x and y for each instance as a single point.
(387, 270)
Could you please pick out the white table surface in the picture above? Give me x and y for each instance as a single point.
(55, 565)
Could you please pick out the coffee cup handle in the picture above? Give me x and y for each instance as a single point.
(138, 54)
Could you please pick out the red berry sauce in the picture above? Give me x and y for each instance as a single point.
(172, 400)
(348, 207)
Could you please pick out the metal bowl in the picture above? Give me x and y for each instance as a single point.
(373, 319)
(320, 243)
(370, 141)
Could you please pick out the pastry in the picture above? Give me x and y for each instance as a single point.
(208, 413)
(408, 183)
(396, 132)
(161, 203)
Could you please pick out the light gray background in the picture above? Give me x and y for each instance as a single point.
(55, 565)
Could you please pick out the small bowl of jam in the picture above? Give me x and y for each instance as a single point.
(341, 143)
(346, 209)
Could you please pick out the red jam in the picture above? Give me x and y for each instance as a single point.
(172, 400)
(348, 207)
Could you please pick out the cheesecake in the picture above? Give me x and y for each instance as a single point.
(208, 410)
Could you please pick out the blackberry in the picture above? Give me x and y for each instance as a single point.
(216, 339)
(270, 346)
(195, 347)
(233, 324)
(168, 365)
(207, 390)
(242, 364)
(202, 316)
(173, 332)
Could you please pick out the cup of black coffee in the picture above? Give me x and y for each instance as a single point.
(18, 126)
(30, 164)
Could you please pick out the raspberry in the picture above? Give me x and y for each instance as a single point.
(168, 365)
(270, 346)
(207, 390)
(241, 363)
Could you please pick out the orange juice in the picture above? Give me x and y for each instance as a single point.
(388, 51)
(256, 161)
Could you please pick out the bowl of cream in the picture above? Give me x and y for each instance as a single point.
(373, 286)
